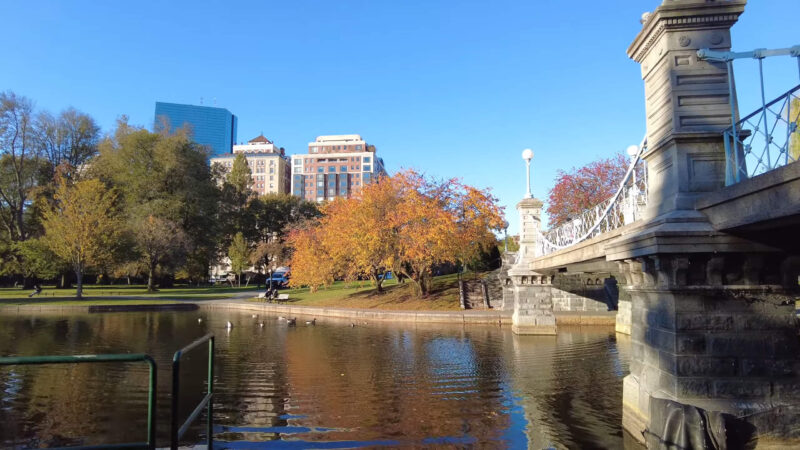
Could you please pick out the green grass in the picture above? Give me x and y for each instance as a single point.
(116, 295)
(443, 297)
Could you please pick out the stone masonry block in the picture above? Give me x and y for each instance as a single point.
(700, 322)
(693, 387)
(737, 388)
(757, 367)
(691, 344)
(705, 366)
(742, 345)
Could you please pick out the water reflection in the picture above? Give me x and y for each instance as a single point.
(328, 386)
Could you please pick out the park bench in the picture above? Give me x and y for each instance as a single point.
(282, 297)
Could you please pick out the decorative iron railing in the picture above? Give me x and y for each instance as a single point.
(765, 140)
(624, 207)
(769, 137)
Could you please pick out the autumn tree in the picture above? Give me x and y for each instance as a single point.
(239, 254)
(82, 227)
(311, 264)
(582, 188)
(405, 223)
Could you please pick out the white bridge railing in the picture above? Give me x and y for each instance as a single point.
(624, 207)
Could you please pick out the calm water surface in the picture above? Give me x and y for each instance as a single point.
(327, 386)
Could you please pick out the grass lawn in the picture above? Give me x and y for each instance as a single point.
(444, 295)
(97, 295)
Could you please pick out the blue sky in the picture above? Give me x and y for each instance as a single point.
(456, 88)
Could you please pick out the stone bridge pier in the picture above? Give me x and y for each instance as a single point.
(712, 316)
(533, 303)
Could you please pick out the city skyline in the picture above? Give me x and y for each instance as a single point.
(453, 91)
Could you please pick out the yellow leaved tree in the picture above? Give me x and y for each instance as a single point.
(82, 226)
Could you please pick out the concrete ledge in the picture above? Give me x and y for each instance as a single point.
(153, 307)
(604, 318)
(498, 317)
(465, 317)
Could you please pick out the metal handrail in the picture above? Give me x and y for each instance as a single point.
(76, 359)
(177, 431)
(547, 245)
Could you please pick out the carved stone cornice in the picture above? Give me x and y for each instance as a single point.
(716, 271)
(680, 15)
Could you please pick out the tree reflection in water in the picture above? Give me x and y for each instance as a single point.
(329, 385)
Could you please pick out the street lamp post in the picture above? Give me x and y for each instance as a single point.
(633, 150)
(505, 240)
(527, 155)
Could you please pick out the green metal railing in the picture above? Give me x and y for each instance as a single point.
(78, 359)
(177, 431)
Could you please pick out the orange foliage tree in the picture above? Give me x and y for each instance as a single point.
(310, 262)
(405, 223)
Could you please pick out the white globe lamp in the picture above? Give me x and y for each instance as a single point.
(527, 155)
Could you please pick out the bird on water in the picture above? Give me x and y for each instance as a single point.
(291, 322)
(312, 321)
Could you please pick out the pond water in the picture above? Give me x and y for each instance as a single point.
(324, 386)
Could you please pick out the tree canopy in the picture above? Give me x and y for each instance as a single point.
(406, 223)
(584, 187)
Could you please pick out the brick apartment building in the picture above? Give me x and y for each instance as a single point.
(268, 164)
(335, 166)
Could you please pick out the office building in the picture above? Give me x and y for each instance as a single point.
(211, 126)
(268, 165)
(335, 166)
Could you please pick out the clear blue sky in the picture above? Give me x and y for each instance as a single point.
(456, 88)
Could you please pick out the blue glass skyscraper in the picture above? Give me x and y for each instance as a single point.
(214, 127)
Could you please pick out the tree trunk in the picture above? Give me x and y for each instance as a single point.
(79, 277)
(378, 280)
(150, 283)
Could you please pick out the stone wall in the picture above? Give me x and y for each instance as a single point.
(585, 292)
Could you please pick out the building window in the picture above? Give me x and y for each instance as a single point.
(366, 159)
(367, 169)
(331, 169)
(344, 169)
(358, 147)
(313, 149)
(297, 162)
(320, 169)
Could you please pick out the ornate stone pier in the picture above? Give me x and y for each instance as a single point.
(712, 315)
(533, 305)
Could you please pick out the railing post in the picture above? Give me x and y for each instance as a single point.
(176, 388)
(210, 411)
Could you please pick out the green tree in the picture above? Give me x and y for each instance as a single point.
(239, 254)
(38, 260)
(19, 164)
(165, 176)
(235, 198)
(82, 227)
(272, 216)
(158, 241)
